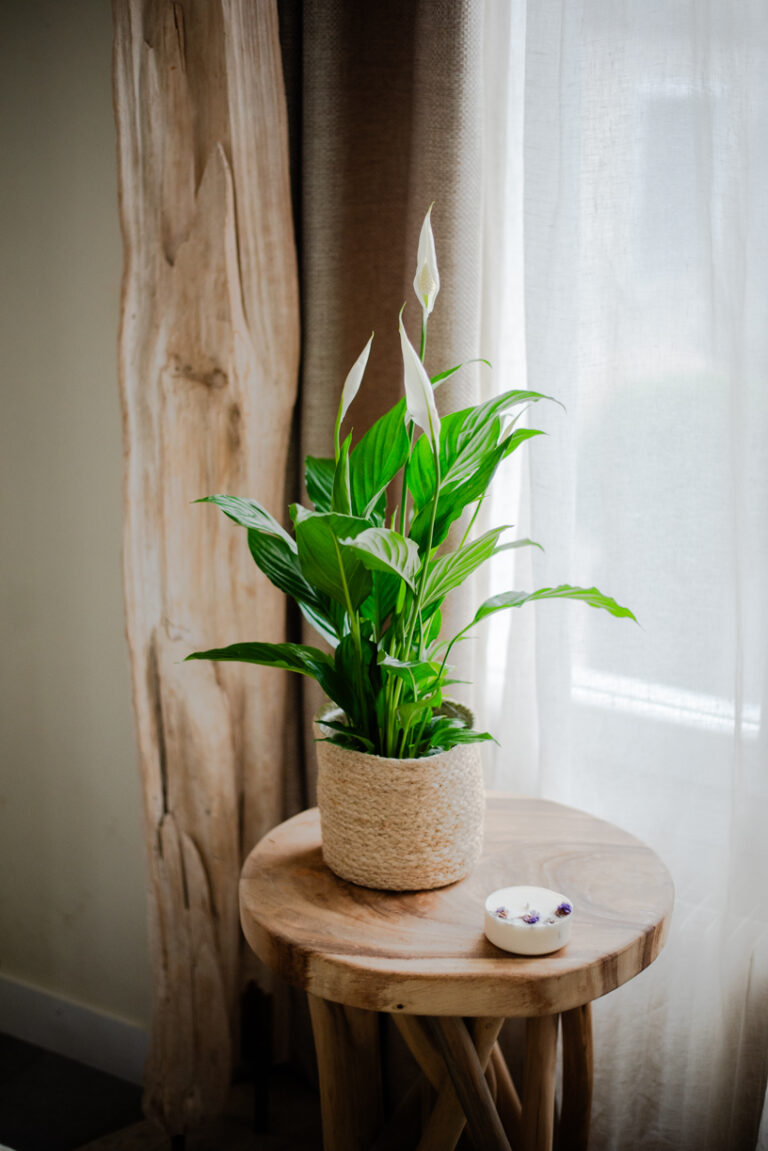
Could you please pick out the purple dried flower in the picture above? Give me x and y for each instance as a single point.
(501, 913)
(564, 908)
(531, 917)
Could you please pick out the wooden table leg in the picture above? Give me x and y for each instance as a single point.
(347, 1047)
(539, 1082)
(444, 1126)
(467, 1072)
(577, 1079)
(507, 1100)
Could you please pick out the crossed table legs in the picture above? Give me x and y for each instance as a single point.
(464, 1064)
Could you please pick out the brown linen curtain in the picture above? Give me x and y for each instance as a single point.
(385, 103)
(386, 113)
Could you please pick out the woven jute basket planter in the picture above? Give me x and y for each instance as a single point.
(399, 824)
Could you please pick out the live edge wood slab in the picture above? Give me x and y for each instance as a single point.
(423, 958)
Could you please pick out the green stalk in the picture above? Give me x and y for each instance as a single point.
(354, 627)
(404, 496)
(397, 687)
(416, 614)
(471, 523)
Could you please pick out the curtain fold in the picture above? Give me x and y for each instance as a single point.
(640, 205)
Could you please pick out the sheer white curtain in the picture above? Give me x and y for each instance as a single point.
(626, 273)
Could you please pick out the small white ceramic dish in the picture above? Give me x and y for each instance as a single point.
(528, 920)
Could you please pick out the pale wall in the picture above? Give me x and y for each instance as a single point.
(72, 911)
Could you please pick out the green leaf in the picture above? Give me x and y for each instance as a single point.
(452, 503)
(508, 400)
(432, 626)
(518, 437)
(447, 735)
(279, 560)
(280, 564)
(380, 604)
(288, 656)
(377, 458)
(472, 446)
(346, 736)
(318, 478)
(335, 570)
(356, 669)
(419, 671)
(416, 709)
(459, 456)
(589, 595)
(467, 437)
(249, 514)
(322, 623)
(438, 379)
(341, 500)
(382, 549)
(449, 571)
(526, 543)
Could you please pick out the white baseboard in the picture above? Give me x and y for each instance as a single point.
(92, 1037)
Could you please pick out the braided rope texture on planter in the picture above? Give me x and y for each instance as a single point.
(400, 824)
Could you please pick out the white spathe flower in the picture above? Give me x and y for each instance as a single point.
(419, 394)
(426, 283)
(353, 381)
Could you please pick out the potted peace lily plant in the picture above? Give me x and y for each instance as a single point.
(400, 785)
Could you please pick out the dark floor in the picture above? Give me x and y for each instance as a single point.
(49, 1103)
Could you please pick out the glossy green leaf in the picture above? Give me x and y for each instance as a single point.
(288, 656)
(432, 626)
(377, 458)
(349, 737)
(452, 502)
(446, 735)
(382, 549)
(380, 604)
(415, 710)
(333, 569)
(447, 572)
(590, 596)
(318, 478)
(321, 621)
(355, 666)
(518, 437)
(472, 446)
(249, 514)
(459, 456)
(438, 379)
(341, 500)
(280, 564)
(419, 671)
(279, 560)
(514, 544)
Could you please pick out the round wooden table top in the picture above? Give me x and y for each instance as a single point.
(425, 952)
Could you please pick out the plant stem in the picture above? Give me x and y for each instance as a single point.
(471, 523)
(416, 613)
(404, 496)
(354, 627)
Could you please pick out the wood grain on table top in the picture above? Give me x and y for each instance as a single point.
(425, 952)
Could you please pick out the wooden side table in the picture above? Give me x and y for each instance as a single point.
(423, 958)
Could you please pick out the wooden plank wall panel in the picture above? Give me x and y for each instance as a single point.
(209, 346)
